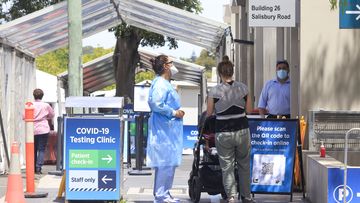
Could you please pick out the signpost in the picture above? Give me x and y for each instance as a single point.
(274, 13)
(92, 158)
(273, 145)
(349, 14)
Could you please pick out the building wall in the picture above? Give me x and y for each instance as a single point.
(330, 60)
(269, 54)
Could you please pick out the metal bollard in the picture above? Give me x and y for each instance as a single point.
(30, 168)
(29, 148)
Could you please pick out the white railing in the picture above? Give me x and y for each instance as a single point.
(345, 161)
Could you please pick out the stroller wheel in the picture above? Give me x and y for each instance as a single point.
(197, 186)
(190, 184)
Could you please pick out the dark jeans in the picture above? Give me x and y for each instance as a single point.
(39, 150)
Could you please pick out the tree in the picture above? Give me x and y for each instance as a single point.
(56, 62)
(126, 56)
(206, 59)
(20, 8)
(144, 75)
(91, 53)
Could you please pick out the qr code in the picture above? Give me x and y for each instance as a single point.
(267, 168)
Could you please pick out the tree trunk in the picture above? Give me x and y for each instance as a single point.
(125, 60)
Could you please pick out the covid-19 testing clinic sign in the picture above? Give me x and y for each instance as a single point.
(273, 145)
(190, 136)
(92, 158)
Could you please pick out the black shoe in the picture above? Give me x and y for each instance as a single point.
(248, 200)
(38, 171)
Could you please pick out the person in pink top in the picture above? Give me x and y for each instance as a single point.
(42, 114)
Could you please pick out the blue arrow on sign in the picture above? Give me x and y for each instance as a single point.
(349, 14)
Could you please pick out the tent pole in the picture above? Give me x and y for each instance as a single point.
(75, 48)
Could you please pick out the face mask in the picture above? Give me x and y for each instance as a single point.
(173, 70)
(281, 74)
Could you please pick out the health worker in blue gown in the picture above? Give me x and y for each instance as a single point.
(165, 141)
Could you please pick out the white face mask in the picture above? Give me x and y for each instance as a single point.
(173, 70)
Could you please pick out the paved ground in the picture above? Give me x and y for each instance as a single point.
(139, 188)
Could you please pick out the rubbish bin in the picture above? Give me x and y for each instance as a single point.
(50, 151)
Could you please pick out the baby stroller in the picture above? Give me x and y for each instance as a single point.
(205, 175)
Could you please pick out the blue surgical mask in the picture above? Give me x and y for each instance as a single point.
(281, 74)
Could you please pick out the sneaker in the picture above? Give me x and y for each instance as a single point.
(231, 200)
(38, 171)
(171, 200)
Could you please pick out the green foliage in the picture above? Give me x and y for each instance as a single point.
(208, 74)
(56, 62)
(193, 6)
(206, 59)
(96, 52)
(145, 75)
(110, 87)
(333, 4)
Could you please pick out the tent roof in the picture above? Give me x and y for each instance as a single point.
(47, 29)
(99, 73)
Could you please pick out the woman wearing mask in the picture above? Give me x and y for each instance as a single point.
(164, 146)
(229, 101)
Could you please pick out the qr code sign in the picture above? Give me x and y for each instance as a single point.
(267, 168)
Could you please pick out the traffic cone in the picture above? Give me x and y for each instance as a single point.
(15, 192)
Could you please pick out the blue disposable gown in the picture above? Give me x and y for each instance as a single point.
(165, 141)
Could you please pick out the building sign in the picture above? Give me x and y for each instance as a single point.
(349, 14)
(92, 158)
(336, 192)
(272, 13)
(273, 144)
